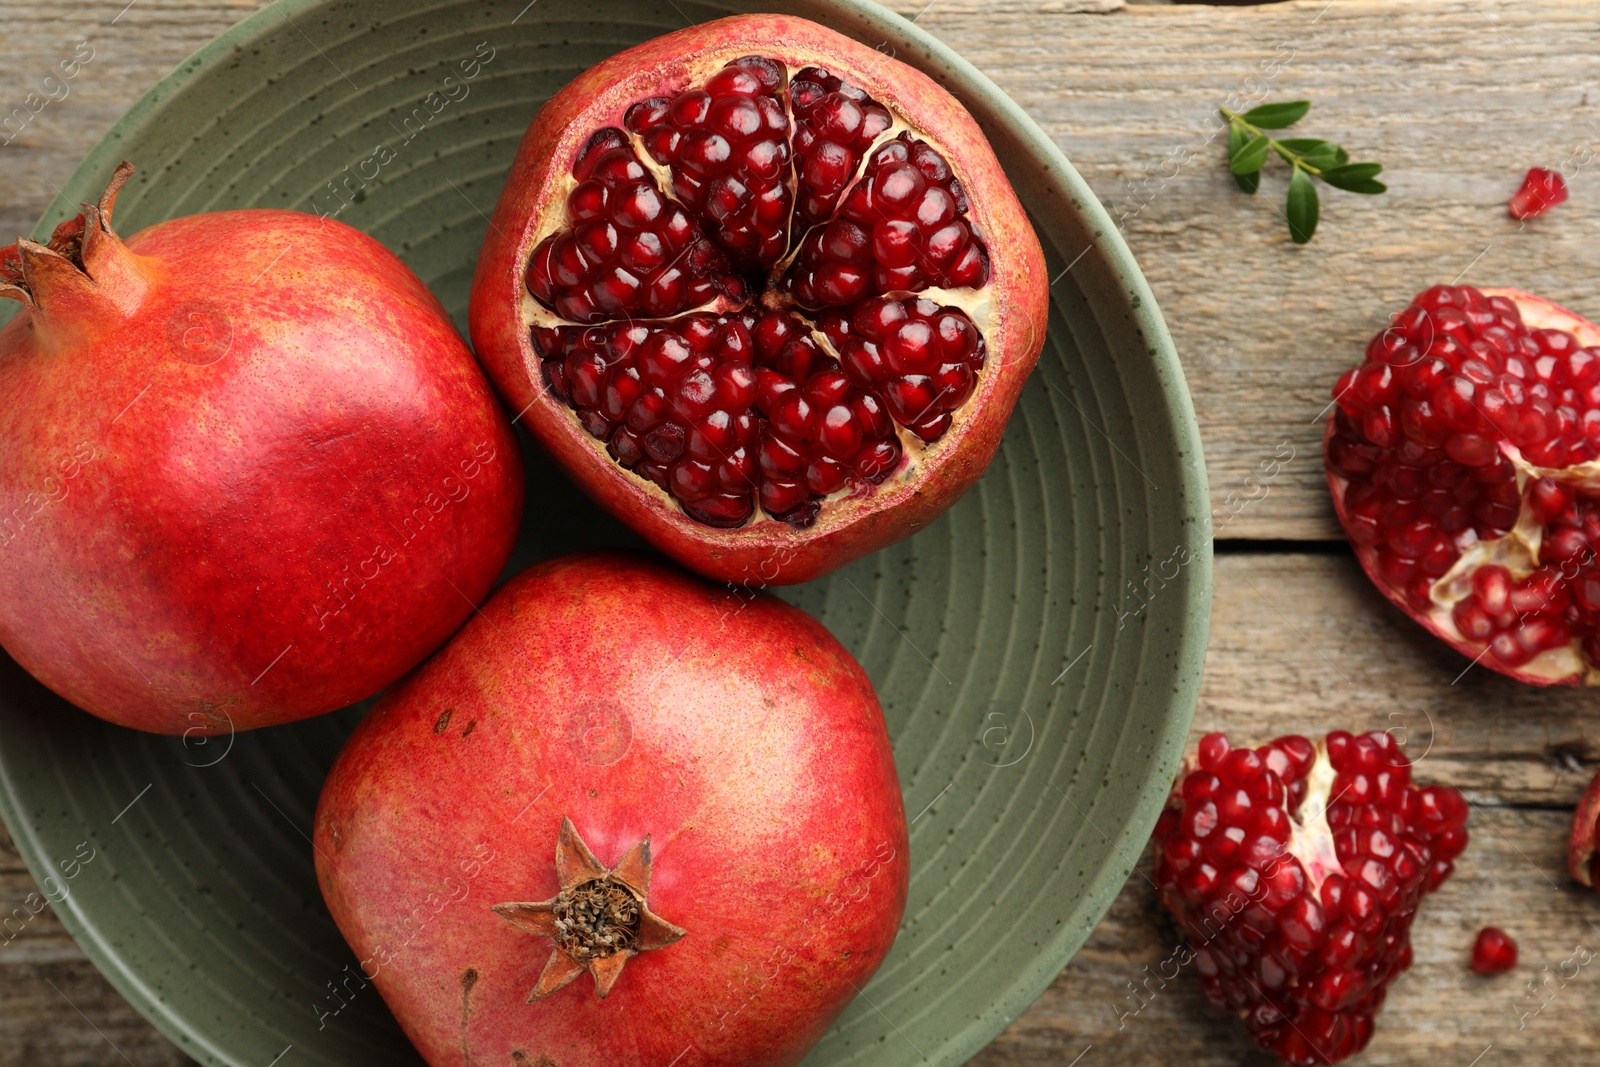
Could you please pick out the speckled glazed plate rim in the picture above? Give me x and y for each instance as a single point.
(1192, 610)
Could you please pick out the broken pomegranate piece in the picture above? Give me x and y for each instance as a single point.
(1295, 871)
(1464, 462)
(1583, 844)
(765, 292)
(1541, 190)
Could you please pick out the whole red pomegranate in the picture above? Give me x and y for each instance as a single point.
(1295, 871)
(623, 819)
(764, 292)
(1463, 464)
(248, 471)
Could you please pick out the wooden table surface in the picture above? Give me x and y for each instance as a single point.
(1457, 98)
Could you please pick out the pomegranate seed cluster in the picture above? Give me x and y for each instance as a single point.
(712, 405)
(727, 147)
(629, 250)
(1304, 955)
(899, 228)
(751, 336)
(1418, 435)
(835, 124)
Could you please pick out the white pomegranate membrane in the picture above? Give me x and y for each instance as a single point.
(1463, 459)
(764, 293)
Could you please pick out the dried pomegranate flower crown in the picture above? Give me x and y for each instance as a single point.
(598, 921)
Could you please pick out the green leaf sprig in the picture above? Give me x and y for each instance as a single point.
(1248, 148)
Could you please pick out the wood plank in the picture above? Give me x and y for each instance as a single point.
(1305, 644)
(1263, 327)
(1301, 645)
(1437, 1013)
(1445, 95)
(55, 1008)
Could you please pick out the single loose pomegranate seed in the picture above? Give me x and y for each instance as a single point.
(1295, 872)
(1493, 952)
(1541, 190)
(683, 349)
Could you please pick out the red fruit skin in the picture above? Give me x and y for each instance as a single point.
(1534, 308)
(769, 552)
(172, 529)
(1585, 836)
(754, 756)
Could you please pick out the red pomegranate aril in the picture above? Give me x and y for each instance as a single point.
(1493, 951)
(1541, 190)
(1319, 921)
(835, 123)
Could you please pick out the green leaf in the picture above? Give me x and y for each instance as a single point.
(1237, 139)
(1277, 116)
(1320, 154)
(1302, 207)
(1355, 178)
(1249, 159)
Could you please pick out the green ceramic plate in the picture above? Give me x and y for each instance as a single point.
(1038, 650)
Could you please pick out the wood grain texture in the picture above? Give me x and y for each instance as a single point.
(1302, 645)
(55, 1008)
(1457, 99)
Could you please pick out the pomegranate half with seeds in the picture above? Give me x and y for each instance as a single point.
(764, 292)
(1295, 871)
(1464, 461)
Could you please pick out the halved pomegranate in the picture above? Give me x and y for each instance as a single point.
(1464, 461)
(764, 292)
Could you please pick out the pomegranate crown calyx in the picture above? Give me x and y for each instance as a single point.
(73, 260)
(599, 919)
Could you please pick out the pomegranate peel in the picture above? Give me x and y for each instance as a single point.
(1584, 839)
(682, 751)
(1295, 871)
(599, 919)
(813, 501)
(202, 532)
(1502, 567)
